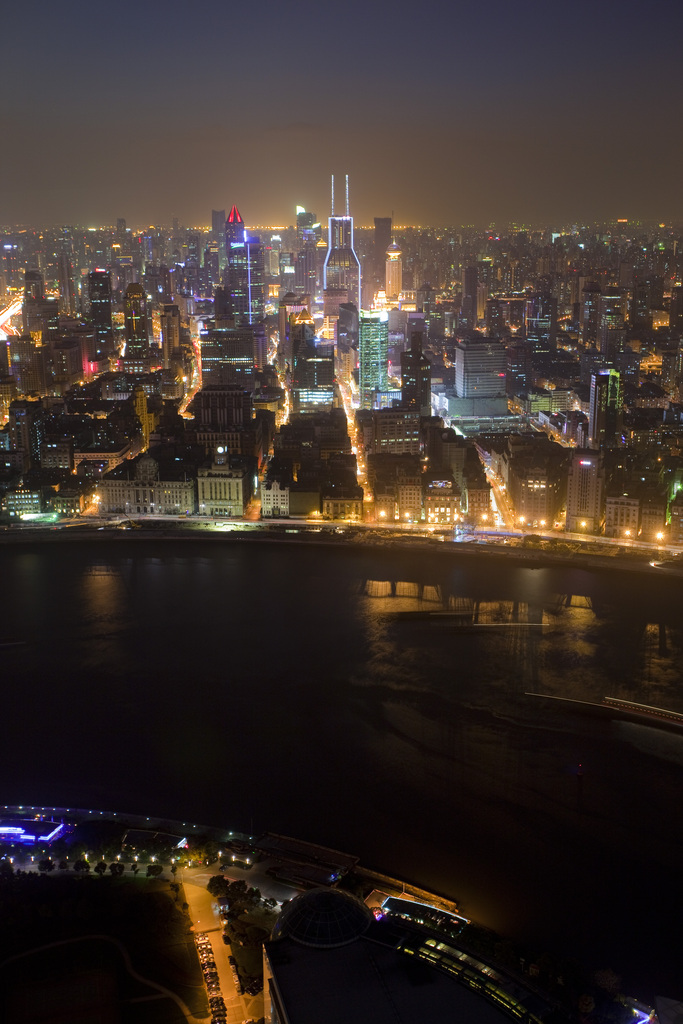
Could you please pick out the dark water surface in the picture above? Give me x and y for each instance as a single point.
(265, 686)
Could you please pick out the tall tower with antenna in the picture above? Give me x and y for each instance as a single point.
(342, 266)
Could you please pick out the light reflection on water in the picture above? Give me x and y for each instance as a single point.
(244, 683)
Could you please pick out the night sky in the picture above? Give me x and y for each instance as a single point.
(442, 113)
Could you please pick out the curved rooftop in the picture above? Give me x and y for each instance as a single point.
(323, 918)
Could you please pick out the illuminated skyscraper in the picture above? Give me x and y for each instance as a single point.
(244, 277)
(605, 415)
(611, 323)
(135, 319)
(585, 493)
(393, 272)
(99, 289)
(540, 321)
(342, 266)
(170, 332)
(373, 343)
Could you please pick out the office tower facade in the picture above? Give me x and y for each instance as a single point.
(305, 221)
(170, 332)
(585, 493)
(518, 378)
(227, 352)
(393, 274)
(480, 367)
(29, 365)
(470, 291)
(218, 232)
(290, 304)
(40, 314)
(218, 407)
(313, 369)
(610, 320)
(540, 322)
(590, 299)
(33, 285)
(416, 377)
(135, 322)
(342, 266)
(605, 415)
(306, 269)
(245, 271)
(65, 273)
(99, 292)
(373, 342)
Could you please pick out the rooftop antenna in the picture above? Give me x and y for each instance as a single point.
(347, 195)
(333, 195)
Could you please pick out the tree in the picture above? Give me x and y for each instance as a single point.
(82, 866)
(63, 865)
(116, 868)
(46, 865)
(154, 870)
(218, 886)
(101, 868)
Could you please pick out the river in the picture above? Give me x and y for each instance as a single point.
(273, 686)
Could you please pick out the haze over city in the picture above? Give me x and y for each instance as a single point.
(341, 513)
(442, 114)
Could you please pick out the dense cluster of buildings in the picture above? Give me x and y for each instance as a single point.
(387, 374)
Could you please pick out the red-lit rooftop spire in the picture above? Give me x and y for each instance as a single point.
(235, 217)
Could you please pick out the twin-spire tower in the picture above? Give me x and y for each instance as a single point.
(342, 266)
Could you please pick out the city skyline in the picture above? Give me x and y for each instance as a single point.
(459, 116)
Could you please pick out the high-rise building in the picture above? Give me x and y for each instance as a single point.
(590, 299)
(518, 378)
(540, 321)
(245, 271)
(470, 291)
(611, 320)
(342, 266)
(289, 305)
(99, 291)
(304, 222)
(393, 276)
(480, 366)
(65, 272)
(135, 321)
(227, 352)
(585, 493)
(170, 332)
(218, 232)
(218, 407)
(313, 369)
(33, 285)
(373, 342)
(605, 415)
(416, 378)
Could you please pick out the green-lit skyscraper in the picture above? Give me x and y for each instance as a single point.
(373, 344)
(605, 416)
